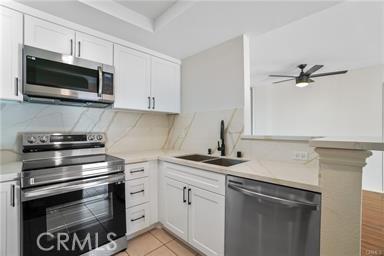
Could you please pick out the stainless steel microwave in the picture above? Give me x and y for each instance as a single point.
(50, 77)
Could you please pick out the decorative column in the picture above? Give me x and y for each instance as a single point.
(341, 186)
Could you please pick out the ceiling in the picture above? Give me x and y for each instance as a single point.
(353, 42)
(150, 9)
(180, 28)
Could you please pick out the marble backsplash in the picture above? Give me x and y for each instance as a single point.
(196, 132)
(134, 131)
(126, 131)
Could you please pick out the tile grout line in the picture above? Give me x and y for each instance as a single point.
(162, 244)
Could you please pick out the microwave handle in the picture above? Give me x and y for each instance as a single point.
(100, 89)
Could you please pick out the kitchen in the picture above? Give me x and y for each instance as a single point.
(133, 100)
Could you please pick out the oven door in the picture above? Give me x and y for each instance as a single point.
(75, 217)
(53, 75)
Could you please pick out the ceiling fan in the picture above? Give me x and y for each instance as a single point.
(304, 78)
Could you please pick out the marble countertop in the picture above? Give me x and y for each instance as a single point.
(299, 175)
(282, 173)
(10, 171)
(353, 143)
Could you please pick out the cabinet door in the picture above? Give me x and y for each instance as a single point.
(176, 208)
(132, 79)
(11, 42)
(165, 85)
(9, 219)
(206, 221)
(93, 48)
(49, 36)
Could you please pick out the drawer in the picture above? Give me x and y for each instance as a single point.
(138, 218)
(203, 179)
(135, 171)
(136, 192)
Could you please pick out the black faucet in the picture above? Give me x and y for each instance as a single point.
(221, 147)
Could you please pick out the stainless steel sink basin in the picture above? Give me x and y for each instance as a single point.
(197, 157)
(225, 161)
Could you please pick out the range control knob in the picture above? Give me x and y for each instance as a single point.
(91, 137)
(31, 140)
(99, 137)
(44, 139)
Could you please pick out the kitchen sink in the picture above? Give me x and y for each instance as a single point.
(225, 161)
(197, 157)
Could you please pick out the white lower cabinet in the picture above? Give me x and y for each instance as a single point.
(193, 213)
(176, 207)
(138, 218)
(206, 221)
(9, 219)
(140, 195)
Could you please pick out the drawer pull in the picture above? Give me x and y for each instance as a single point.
(139, 218)
(136, 171)
(137, 192)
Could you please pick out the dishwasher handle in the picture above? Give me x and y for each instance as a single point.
(274, 199)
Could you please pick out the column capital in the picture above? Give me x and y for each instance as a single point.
(343, 157)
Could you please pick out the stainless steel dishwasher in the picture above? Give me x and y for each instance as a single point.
(263, 219)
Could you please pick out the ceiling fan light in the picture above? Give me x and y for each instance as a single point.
(302, 84)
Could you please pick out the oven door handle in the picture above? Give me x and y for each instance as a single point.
(35, 193)
(273, 199)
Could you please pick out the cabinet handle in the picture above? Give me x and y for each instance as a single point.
(136, 171)
(137, 192)
(100, 89)
(12, 202)
(153, 105)
(79, 48)
(141, 217)
(16, 86)
(184, 200)
(149, 102)
(71, 46)
(189, 196)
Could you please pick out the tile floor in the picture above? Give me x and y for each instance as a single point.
(156, 242)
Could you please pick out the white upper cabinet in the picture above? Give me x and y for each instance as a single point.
(11, 32)
(93, 48)
(165, 85)
(145, 82)
(49, 36)
(132, 79)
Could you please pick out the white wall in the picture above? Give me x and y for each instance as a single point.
(345, 105)
(214, 79)
(350, 36)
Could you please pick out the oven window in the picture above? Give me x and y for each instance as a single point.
(60, 75)
(75, 216)
(73, 223)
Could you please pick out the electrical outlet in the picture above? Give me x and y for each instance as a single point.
(300, 155)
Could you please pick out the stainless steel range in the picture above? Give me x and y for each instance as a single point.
(73, 196)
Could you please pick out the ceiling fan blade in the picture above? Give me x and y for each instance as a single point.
(281, 76)
(330, 73)
(284, 81)
(313, 69)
